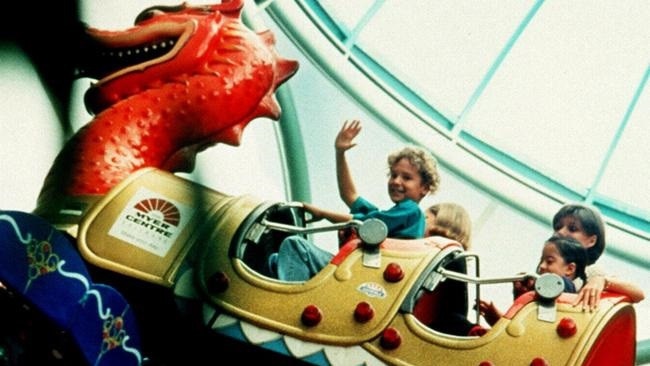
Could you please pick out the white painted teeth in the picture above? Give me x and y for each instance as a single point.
(136, 51)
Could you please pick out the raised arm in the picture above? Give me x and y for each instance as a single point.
(345, 141)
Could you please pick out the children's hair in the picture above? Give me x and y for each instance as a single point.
(453, 222)
(572, 252)
(425, 163)
(592, 223)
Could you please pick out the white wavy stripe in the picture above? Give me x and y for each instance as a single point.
(95, 293)
(27, 238)
(79, 277)
(13, 223)
(73, 275)
(133, 351)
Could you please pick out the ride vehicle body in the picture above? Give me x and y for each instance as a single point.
(378, 299)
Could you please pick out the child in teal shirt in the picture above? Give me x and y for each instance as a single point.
(413, 175)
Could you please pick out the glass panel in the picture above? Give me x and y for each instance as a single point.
(346, 13)
(220, 167)
(628, 173)
(441, 49)
(563, 90)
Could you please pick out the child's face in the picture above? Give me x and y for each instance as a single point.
(552, 262)
(570, 226)
(405, 182)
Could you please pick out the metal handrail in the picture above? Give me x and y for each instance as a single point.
(310, 230)
(484, 281)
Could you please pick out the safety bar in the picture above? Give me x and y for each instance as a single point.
(310, 230)
(484, 281)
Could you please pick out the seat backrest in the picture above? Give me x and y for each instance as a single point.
(255, 252)
(445, 308)
(427, 306)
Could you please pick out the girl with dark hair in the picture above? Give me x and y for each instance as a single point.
(562, 255)
(585, 224)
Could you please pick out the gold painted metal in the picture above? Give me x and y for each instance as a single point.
(208, 243)
(109, 252)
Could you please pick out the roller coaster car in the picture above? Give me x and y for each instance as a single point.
(379, 301)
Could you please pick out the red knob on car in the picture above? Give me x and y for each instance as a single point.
(539, 361)
(311, 315)
(567, 327)
(363, 312)
(393, 272)
(218, 282)
(390, 338)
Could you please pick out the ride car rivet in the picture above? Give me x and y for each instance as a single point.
(567, 327)
(364, 312)
(539, 361)
(393, 272)
(218, 282)
(390, 338)
(311, 315)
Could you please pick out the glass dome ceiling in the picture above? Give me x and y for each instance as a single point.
(552, 94)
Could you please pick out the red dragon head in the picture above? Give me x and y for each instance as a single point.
(182, 79)
(207, 46)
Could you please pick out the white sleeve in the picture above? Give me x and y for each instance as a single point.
(594, 271)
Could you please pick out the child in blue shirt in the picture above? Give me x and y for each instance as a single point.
(413, 175)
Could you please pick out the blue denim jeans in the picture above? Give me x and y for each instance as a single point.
(299, 260)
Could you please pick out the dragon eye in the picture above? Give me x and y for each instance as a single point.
(146, 15)
(158, 10)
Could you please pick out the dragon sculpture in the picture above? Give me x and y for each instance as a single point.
(181, 80)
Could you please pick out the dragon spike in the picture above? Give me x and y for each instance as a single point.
(268, 107)
(286, 69)
(231, 8)
(231, 135)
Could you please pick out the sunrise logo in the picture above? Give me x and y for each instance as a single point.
(151, 221)
(155, 216)
(159, 209)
